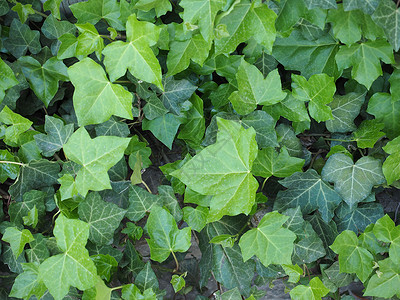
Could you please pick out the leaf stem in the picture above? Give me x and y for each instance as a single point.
(116, 288)
(11, 162)
(40, 13)
(122, 81)
(176, 262)
(340, 140)
(147, 187)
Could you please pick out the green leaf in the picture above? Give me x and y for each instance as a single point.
(67, 49)
(264, 125)
(271, 163)
(147, 279)
(334, 279)
(27, 283)
(202, 13)
(368, 133)
(229, 295)
(113, 127)
(181, 52)
(165, 237)
(96, 156)
(53, 6)
(254, 89)
(325, 4)
(96, 99)
(352, 257)
(344, 110)
(103, 218)
(23, 11)
(386, 283)
(196, 218)
(154, 108)
(31, 219)
(140, 202)
(72, 267)
(22, 38)
(319, 91)
(99, 292)
(386, 231)
(353, 181)
(134, 55)
(386, 15)
(17, 239)
(310, 192)
(367, 6)
(193, 130)
(315, 290)
(54, 29)
(8, 170)
(246, 20)
(294, 272)
(18, 125)
(38, 251)
(31, 199)
(365, 59)
(231, 183)
(106, 265)
(164, 128)
(270, 242)
(161, 6)
(225, 240)
(131, 292)
(290, 12)
(178, 282)
(7, 78)
(386, 111)
(93, 11)
(290, 108)
(391, 166)
(89, 40)
(133, 231)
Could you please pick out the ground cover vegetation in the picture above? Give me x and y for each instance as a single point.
(258, 131)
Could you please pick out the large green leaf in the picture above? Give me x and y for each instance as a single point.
(7, 78)
(96, 156)
(102, 217)
(229, 181)
(88, 41)
(319, 90)
(21, 38)
(96, 99)
(386, 283)
(165, 237)
(365, 59)
(270, 242)
(253, 89)
(27, 283)
(246, 20)
(72, 267)
(353, 181)
(135, 55)
(387, 15)
(310, 192)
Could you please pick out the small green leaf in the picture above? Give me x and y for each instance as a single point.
(161, 6)
(31, 219)
(193, 130)
(133, 231)
(8, 170)
(368, 133)
(106, 265)
(270, 242)
(18, 125)
(17, 239)
(196, 218)
(7, 78)
(140, 202)
(391, 166)
(23, 11)
(89, 40)
(53, 6)
(315, 291)
(178, 282)
(27, 283)
(294, 272)
(225, 240)
(165, 237)
(131, 292)
(164, 128)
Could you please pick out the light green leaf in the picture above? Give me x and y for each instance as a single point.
(103, 218)
(344, 110)
(72, 267)
(131, 292)
(7, 78)
(294, 272)
(290, 108)
(96, 99)
(386, 110)
(387, 16)
(178, 282)
(391, 166)
(18, 125)
(368, 133)
(53, 6)
(325, 4)
(160, 6)
(164, 128)
(27, 283)
(264, 125)
(270, 242)
(8, 170)
(352, 257)
(154, 108)
(68, 188)
(165, 237)
(319, 90)
(96, 156)
(367, 6)
(140, 202)
(386, 231)
(229, 181)
(67, 49)
(196, 218)
(269, 163)
(17, 239)
(31, 199)
(365, 59)
(254, 89)
(23, 11)
(99, 292)
(247, 20)
(353, 182)
(310, 192)
(385, 284)
(89, 40)
(21, 38)
(135, 55)
(31, 219)
(315, 291)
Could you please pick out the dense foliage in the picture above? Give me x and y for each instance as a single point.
(137, 134)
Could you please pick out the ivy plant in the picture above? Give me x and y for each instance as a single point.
(153, 149)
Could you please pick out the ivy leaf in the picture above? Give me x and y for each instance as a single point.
(264, 125)
(365, 59)
(385, 230)
(231, 183)
(290, 108)
(294, 272)
(315, 290)
(165, 237)
(387, 111)
(246, 20)
(53, 6)
(386, 283)
(344, 110)
(254, 89)
(269, 163)
(27, 283)
(17, 239)
(391, 166)
(72, 267)
(161, 7)
(8, 170)
(8, 78)
(31, 199)
(21, 38)
(368, 133)
(54, 29)
(196, 218)
(352, 257)
(387, 16)
(43, 80)
(193, 130)
(308, 191)
(23, 11)
(89, 40)
(147, 279)
(154, 108)
(96, 156)
(353, 181)
(164, 128)
(18, 125)
(103, 218)
(93, 11)
(140, 202)
(290, 12)
(131, 292)
(95, 98)
(325, 4)
(112, 127)
(367, 6)
(202, 13)
(270, 242)
(134, 55)
(68, 45)
(106, 265)
(319, 90)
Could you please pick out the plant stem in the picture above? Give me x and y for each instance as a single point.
(147, 187)
(40, 13)
(340, 140)
(122, 81)
(11, 162)
(176, 262)
(117, 288)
